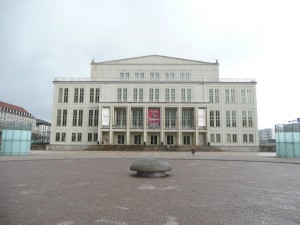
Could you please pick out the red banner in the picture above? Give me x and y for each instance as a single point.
(154, 117)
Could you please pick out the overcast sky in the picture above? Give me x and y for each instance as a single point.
(41, 40)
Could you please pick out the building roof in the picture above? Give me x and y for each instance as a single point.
(42, 122)
(155, 59)
(14, 107)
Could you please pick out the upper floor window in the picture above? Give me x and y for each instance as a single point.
(154, 95)
(63, 94)
(247, 118)
(122, 95)
(76, 91)
(214, 118)
(214, 96)
(139, 76)
(230, 118)
(186, 95)
(81, 95)
(154, 76)
(246, 96)
(184, 76)
(97, 96)
(138, 94)
(124, 76)
(230, 95)
(169, 76)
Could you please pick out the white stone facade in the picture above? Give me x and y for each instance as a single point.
(154, 100)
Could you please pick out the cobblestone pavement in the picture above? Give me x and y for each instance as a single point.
(64, 188)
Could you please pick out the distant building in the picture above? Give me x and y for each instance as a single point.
(43, 129)
(155, 100)
(266, 136)
(13, 113)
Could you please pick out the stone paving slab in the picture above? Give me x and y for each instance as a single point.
(65, 188)
(244, 156)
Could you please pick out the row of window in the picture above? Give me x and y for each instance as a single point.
(187, 118)
(154, 76)
(77, 117)
(76, 137)
(154, 95)
(231, 96)
(170, 139)
(231, 138)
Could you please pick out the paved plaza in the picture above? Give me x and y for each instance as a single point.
(64, 188)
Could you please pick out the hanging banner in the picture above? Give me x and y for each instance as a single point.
(105, 116)
(201, 118)
(153, 117)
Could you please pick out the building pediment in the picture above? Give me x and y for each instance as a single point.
(153, 60)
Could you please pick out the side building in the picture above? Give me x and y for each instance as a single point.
(15, 114)
(154, 100)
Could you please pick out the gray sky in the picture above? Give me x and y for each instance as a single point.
(40, 40)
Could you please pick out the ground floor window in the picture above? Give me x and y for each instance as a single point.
(73, 137)
(153, 139)
(121, 139)
(231, 138)
(186, 140)
(60, 136)
(215, 138)
(170, 140)
(248, 138)
(137, 139)
(95, 136)
(90, 136)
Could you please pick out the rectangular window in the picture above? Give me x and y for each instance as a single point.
(167, 95)
(58, 120)
(79, 137)
(230, 95)
(234, 138)
(170, 140)
(75, 95)
(151, 94)
(119, 95)
(169, 76)
(122, 95)
(73, 137)
(218, 138)
(212, 138)
(96, 117)
(139, 76)
(97, 97)
(172, 95)
(214, 118)
(153, 139)
(121, 118)
(251, 138)
(182, 95)
(187, 118)
(214, 96)
(80, 117)
(124, 76)
(64, 119)
(95, 136)
(186, 140)
(60, 95)
(81, 95)
(141, 95)
(57, 137)
(137, 118)
(66, 94)
(156, 95)
(92, 93)
(135, 94)
(247, 118)
(245, 138)
(121, 139)
(63, 136)
(90, 118)
(90, 137)
(184, 76)
(230, 118)
(170, 118)
(74, 117)
(246, 96)
(137, 139)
